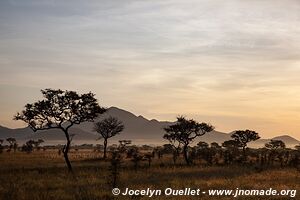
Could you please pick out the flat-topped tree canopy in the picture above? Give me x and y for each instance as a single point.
(242, 137)
(275, 144)
(186, 130)
(245, 136)
(60, 109)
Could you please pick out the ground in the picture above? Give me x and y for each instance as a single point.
(42, 175)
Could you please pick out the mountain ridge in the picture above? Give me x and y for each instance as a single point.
(137, 128)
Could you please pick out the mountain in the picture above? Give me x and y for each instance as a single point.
(141, 130)
(137, 128)
(288, 140)
(50, 136)
(20, 133)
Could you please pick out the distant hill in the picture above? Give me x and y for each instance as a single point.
(141, 130)
(137, 128)
(20, 133)
(288, 140)
(50, 136)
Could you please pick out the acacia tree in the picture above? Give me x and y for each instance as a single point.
(1, 147)
(230, 144)
(203, 152)
(202, 145)
(38, 143)
(297, 147)
(61, 110)
(28, 146)
(275, 144)
(231, 150)
(243, 137)
(185, 131)
(12, 143)
(175, 144)
(108, 128)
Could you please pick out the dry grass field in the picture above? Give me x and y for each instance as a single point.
(42, 175)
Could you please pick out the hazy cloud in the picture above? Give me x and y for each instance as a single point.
(235, 58)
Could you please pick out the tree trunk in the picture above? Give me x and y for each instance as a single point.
(175, 156)
(105, 147)
(185, 154)
(244, 153)
(66, 151)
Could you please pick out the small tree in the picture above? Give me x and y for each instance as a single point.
(202, 145)
(123, 144)
(28, 146)
(38, 143)
(12, 144)
(231, 150)
(297, 147)
(243, 137)
(276, 147)
(216, 151)
(175, 144)
(108, 128)
(148, 157)
(231, 144)
(185, 131)
(114, 168)
(275, 144)
(61, 110)
(136, 159)
(215, 145)
(203, 152)
(1, 147)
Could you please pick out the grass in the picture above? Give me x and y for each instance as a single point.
(43, 175)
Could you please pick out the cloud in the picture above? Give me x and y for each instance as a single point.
(216, 57)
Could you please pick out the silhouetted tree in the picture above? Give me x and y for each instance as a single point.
(123, 144)
(215, 145)
(1, 147)
(204, 152)
(31, 144)
(231, 144)
(131, 151)
(231, 151)
(275, 144)
(136, 159)
(243, 137)
(115, 165)
(28, 146)
(108, 128)
(276, 148)
(61, 110)
(185, 131)
(159, 152)
(295, 161)
(148, 157)
(38, 143)
(12, 144)
(175, 145)
(202, 145)
(216, 152)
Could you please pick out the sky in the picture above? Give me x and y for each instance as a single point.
(233, 63)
